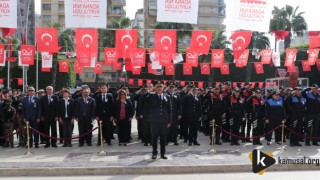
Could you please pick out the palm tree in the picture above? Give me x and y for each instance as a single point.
(288, 19)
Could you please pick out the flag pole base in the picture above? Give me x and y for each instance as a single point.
(28, 154)
(101, 153)
(212, 151)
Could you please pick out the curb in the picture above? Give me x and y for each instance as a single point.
(62, 171)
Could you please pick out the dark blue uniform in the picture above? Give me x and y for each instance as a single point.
(275, 114)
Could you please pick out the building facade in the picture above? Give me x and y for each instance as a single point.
(26, 21)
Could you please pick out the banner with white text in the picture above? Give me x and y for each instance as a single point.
(8, 14)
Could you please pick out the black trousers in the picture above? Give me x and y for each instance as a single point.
(146, 131)
(247, 123)
(140, 128)
(42, 129)
(158, 130)
(84, 126)
(2, 141)
(107, 129)
(184, 128)
(34, 137)
(172, 135)
(272, 124)
(67, 129)
(257, 128)
(50, 124)
(235, 123)
(226, 125)
(193, 129)
(124, 130)
(296, 122)
(61, 135)
(313, 125)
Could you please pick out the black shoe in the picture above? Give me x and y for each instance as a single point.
(154, 157)
(164, 157)
(61, 142)
(218, 143)
(54, 145)
(120, 144)
(146, 144)
(190, 144)
(125, 144)
(109, 144)
(46, 146)
(65, 145)
(89, 144)
(279, 143)
(307, 144)
(176, 144)
(80, 145)
(298, 144)
(237, 144)
(269, 143)
(42, 142)
(36, 146)
(292, 145)
(196, 144)
(243, 141)
(248, 140)
(185, 141)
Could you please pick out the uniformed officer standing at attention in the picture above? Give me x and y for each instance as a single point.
(237, 113)
(191, 112)
(159, 116)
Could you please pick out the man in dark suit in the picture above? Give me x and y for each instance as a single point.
(49, 107)
(191, 112)
(137, 99)
(66, 116)
(105, 112)
(176, 115)
(84, 113)
(31, 110)
(160, 118)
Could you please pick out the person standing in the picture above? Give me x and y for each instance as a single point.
(84, 113)
(123, 112)
(105, 113)
(8, 116)
(237, 114)
(160, 118)
(31, 109)
(66, 116)
(49, 107)
(191, 112)
(137, 98)
(247, 121)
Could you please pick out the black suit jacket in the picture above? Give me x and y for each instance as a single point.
(159, 111)
(49, 110)
(62, 109)
(175, 104)
(85, 109)
(129, 109)
(104, 109)
(191, 108)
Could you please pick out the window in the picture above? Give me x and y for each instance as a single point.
(46, 6)
(46, 17)
(89, 75)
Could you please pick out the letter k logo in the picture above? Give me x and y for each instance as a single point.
(261, 161)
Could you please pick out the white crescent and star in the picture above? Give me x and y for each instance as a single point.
(239, 38)
(127, 36)
(64, 64)
(87, 36)
(202, 37)
(169, 39)
(46, 35)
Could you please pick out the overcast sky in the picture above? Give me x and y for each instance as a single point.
(312, 14)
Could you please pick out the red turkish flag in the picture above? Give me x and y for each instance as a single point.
(125, 41)
(122, 79)
(200, 85)
(136, 70)
(224, 69)
(1, 81)
(165, 58)
(117, 66)
(182, 83)
(78, 69)
(318, 64)
(218, 83)
(86, 45)
(149, 81)
(240, 42)
(243, 59)
(187, 70)
(205, 68)
(27, 54)
(261, 85)
(266, 56)
(291, 55)
(314, 39)
(234, 84)
(253, 84)
(131, 81)
(305, 65)
(150, 70)
(128, 65)
(312, 56)
(242, 84)
(217, 58)
(268, 84)
(64, 66)
(45, 69)
(280, 34)
(2, 54)
(140, 82)
(47, 40)
(165, 40)
(170, 70)
(259, 67)
(8, 31)
(201, 41)
(191, 58)
(292, 68)
(165, 81)
(98, 68)
(111, 56)
(20, 81)
(138, 57)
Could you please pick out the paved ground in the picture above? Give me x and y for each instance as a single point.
(135, 155)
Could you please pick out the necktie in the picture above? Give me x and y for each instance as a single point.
(49, 99)
(66, 105)
(103, 98)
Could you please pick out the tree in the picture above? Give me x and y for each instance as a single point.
(288, 19)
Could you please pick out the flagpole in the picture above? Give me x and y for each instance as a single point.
(37, 71)
(25, 71)
(8, 85)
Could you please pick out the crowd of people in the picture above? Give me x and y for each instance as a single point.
(164, 112)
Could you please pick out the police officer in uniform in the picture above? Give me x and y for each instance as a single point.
(246, 94)
(237, 114)
(8, 116)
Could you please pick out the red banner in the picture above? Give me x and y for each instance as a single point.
(86, 45)
(20, 81)
(98, 68)
(266, 56)
(165, 40)
(131, 81)
(240, 42)
(253, 84)
(217, 58)
(205, 68)
(45, 69)
(149, 82)
(261, 85)
(117, 66)
(187, 70)
(138, 57)
(243, 59)
(259, 67)
(224, 69)
(125, 41)
(136, 70)
(47, 40)
(165, 58)
(2, 81)
(312, 56)
(191, 58)
(200, 85)
(292, 68)
(2, 54)
(234, 85)
(170, 70)
(314, 39)
(291, 55)
(305, 65)
(64, 66)
(140, 82)
(201, 41)
(111, 56)
(78, 69)
(27, 55)
(182, 83)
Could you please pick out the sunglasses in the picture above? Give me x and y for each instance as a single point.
(30, 90)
